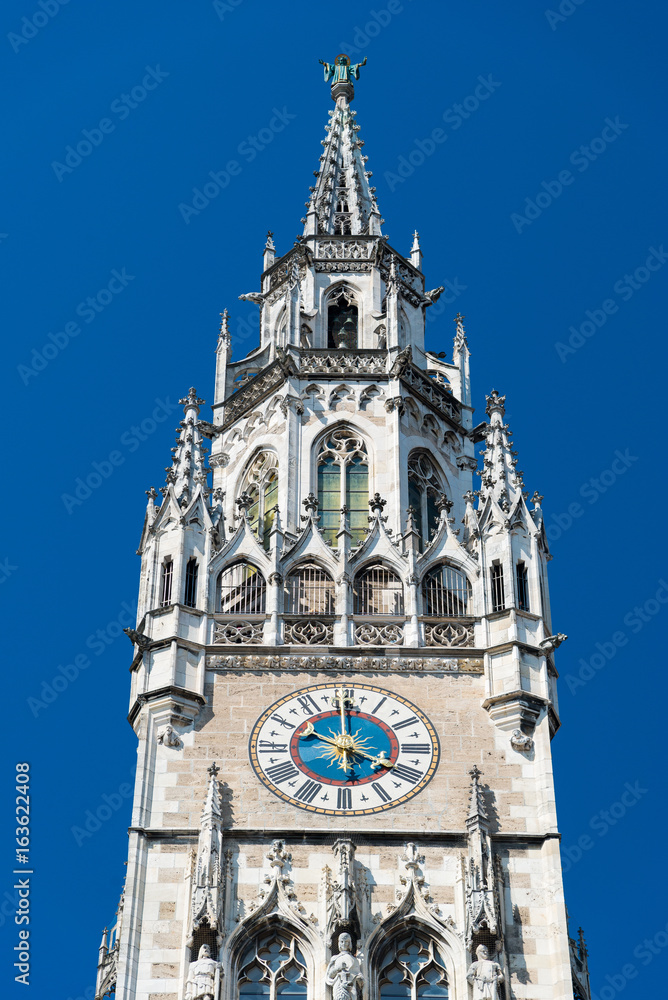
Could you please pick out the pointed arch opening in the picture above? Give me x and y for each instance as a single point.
(261, 484)
(446, 593)
(425, 486)
(242, 590)
(309, 590)
(343, 480)
(378, 591)
(342, 319)
(411, 967)
(271, 967)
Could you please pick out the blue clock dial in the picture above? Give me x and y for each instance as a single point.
(349, 750)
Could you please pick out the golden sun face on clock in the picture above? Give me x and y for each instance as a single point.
(344, 749)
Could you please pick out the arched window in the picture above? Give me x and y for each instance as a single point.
(166, 583)
(190, 593)
(261, 484)
(309, 591)
(424, 489)
(343, 478)
(522, 587)
(342, 319)
(446, 593)
(243, 590)
(498, 589)
(272, 966)
(412, 968)
(378, 591)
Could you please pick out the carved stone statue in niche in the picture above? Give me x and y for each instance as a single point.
(203, 977)
(344, 972)
(485, 976)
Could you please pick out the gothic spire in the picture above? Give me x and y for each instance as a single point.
(500, 477)
(189, 461)
(342, 201)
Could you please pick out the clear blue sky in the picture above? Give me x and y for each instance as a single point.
(534, 234)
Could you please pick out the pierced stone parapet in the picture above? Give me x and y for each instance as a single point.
(308, 632)
(391, 634)
(345, 249)
(448, 633)
(239, 632)
(322, 362)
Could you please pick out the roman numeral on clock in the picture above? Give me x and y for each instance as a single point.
(344, 798)
(267, 746)
(308, 791)
(416, 747)
(406, 773)
(380, 791)
(309, 705)
(405, 722)
(282, 772)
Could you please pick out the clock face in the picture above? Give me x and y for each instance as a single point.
(346, 749)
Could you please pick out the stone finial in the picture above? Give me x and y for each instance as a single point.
(537, 499)
(311, 504)
(192, 400)
(495, 403)
(243, 502)
(377, 504)
(269, 245)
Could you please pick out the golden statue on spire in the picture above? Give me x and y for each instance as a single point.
(341, 73)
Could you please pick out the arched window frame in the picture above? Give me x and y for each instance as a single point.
(343, 452)
(416, 974)
(241, 590)
(276, 976)
(261, 483)
(446, 592)
(342, 296)
(378, 592)
(309, 590)
(425, 486)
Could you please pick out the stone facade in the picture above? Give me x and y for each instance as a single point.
(334, 546)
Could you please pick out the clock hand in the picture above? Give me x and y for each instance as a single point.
(377, 759)
(342, 706)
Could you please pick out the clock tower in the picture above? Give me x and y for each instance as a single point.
(343, 684)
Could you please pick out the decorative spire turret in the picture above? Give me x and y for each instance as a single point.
(482, 898)
(500, 476)
(342, 202)
(189, 462)
(208, 885)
